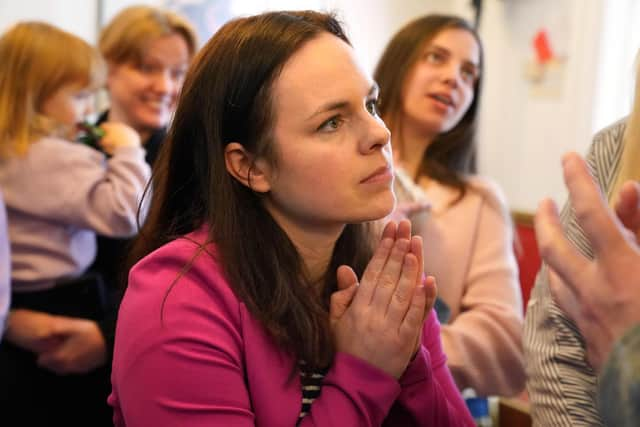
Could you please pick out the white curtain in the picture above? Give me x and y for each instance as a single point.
(619, 46)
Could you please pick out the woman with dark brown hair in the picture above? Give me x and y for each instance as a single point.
(430, 77)
(256, 297)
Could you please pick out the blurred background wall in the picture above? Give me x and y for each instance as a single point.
(530, 114)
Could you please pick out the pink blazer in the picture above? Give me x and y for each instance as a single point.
(188, 353)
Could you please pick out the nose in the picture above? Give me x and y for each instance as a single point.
(164, 82)
(452, 74)
(376, 136)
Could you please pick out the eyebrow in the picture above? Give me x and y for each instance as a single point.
(338, 105)
(159, 60)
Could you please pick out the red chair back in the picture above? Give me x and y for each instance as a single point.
(527, 253)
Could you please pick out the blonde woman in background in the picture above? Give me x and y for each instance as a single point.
(430, 78)
(561, 381)
(59, 193)
(148, 51)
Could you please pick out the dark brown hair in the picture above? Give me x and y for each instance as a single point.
(452, 154)
(227, 97)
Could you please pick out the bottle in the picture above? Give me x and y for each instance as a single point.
(479, 408)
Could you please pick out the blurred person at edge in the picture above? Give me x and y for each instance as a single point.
(600, 293)
(561, 381)
(5, 268)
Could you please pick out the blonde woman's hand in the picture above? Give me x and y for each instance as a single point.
(118, 135)
(383, 321)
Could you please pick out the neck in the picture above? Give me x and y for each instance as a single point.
(315, 244)
(117, 115)
(410, 144)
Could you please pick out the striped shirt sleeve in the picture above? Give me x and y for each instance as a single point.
(561, 384)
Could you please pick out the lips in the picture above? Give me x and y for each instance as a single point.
(444, 98)
(158, 105)
(381, 174)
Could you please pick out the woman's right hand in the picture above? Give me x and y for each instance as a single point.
(118, 135)
(383, 322)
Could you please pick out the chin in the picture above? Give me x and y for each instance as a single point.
(380, 208)
(438, 125)
(155, 123)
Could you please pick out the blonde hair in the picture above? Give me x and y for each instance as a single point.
(126, 37)
(37, 60)
(630, 160)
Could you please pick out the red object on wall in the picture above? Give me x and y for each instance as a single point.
(542, 46)
(527, 254)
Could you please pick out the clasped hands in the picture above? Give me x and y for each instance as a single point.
(379, 318)
(64, 345)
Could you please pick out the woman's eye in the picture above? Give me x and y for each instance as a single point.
(331, 125)
(469, 74)
(178, 74)
(372, 107)
(146, 68)
(82, 95)
(433, 57)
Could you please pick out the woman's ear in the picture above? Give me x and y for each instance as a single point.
(249, 172)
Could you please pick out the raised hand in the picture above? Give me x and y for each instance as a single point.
(383, 322)
(601, 295)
